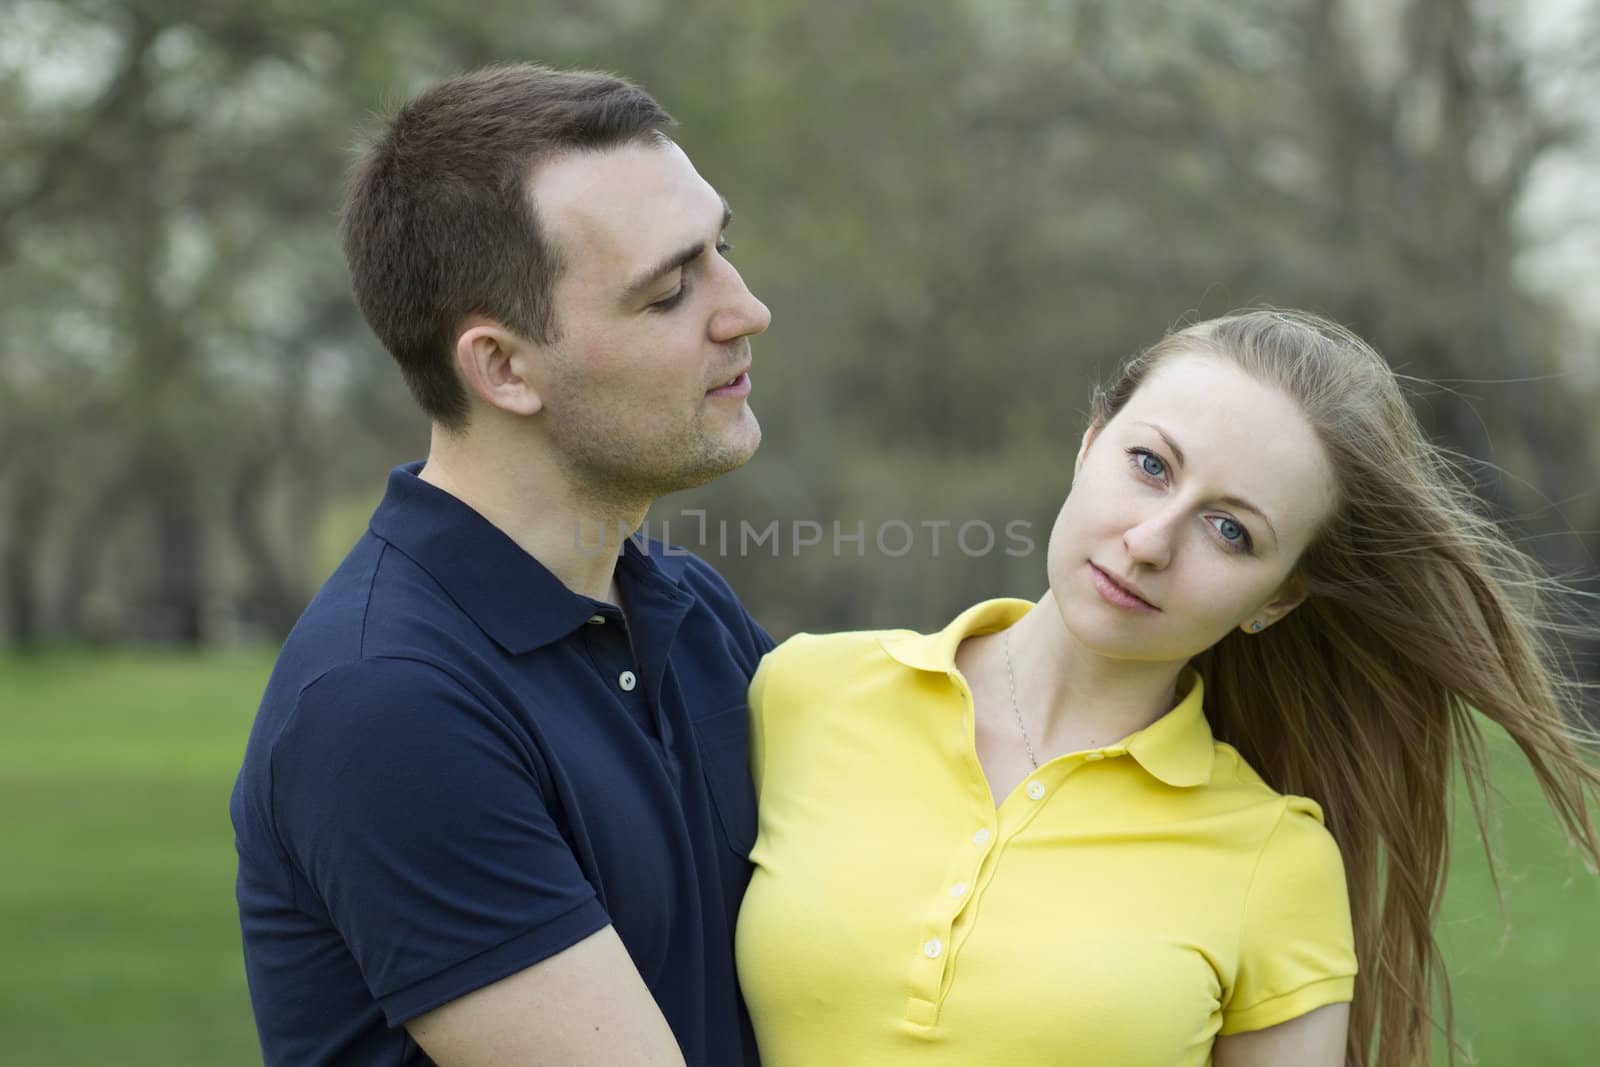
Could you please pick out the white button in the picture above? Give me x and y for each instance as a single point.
(933, 948)
(958, 889)
(597, 620)
(627, 681)
(1036, 790)
(1094, 755)
(981, 837)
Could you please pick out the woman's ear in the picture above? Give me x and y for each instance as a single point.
(1289, 596)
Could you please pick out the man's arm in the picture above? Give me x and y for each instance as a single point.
(583, 1006)
(1315, 1039)
(425, 834)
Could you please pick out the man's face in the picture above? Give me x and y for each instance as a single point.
(654, 324)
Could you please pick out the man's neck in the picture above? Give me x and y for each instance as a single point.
(530, 500)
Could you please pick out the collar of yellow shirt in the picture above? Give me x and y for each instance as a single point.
(1176, 748)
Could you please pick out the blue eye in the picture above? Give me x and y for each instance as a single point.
(1236, 536)
(1149, 464)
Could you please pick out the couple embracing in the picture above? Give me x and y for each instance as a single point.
(510, 800)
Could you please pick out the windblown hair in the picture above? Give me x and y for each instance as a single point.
(439, 223)
(1421, 619)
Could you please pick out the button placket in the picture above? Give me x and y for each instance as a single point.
(945, 923)
(962, 892)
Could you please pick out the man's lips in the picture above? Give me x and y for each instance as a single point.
(739, 385)
(1118, 592)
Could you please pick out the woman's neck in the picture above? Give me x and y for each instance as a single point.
(1079, 698)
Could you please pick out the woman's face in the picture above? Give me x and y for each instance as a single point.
(1198, 497)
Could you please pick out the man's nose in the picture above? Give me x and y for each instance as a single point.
(742, 315)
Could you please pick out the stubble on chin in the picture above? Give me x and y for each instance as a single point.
(711, 456)
(631, 473)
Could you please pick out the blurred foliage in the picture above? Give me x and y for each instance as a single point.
(962, 214)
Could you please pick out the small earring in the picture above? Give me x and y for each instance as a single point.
(1255, 627)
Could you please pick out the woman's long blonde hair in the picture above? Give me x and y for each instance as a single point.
(1421, 616)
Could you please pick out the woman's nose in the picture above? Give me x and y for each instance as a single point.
(1149, 542)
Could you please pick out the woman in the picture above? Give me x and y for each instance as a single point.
(1142, 821)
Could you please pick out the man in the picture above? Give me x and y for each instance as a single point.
(495, 806)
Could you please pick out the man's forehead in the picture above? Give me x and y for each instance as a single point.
(632, 200)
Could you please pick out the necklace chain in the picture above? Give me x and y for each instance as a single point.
(1011, 676)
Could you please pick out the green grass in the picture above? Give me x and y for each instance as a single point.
(1536, 1002)
(117, 922)
(116, 908)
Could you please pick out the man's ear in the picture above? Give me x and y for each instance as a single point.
(497, 366)
(1083, 449)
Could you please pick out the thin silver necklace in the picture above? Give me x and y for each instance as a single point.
(1011, 676)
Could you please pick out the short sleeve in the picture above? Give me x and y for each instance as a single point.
(1297, 949)
(417, 818)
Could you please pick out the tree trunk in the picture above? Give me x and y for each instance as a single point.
(276, 595)
(20, 566)
(179, 592)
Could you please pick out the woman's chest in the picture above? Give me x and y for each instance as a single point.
(1094, 909)
(986, 954)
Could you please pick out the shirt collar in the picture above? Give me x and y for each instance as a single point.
(1177, 748)
(506, 591)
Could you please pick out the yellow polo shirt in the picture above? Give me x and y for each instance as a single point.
(1121, 908)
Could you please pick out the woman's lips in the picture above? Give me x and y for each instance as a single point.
(1114, 593)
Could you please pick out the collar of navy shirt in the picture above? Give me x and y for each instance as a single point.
(514, 598)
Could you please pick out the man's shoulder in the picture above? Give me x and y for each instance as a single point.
(694, 574)
(378, 625)
(673, 560)
(713, 596)
(377, 603)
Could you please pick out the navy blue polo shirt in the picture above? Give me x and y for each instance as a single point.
(461, 767)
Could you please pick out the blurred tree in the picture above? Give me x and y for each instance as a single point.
(961, 214)
(183, 209)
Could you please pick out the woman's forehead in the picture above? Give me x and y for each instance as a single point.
(1241, 436)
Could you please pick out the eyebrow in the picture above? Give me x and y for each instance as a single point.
(681, 258)
(1232, 501)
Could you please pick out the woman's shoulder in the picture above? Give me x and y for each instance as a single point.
(934, 651)
(1233, 772)
(832, 652)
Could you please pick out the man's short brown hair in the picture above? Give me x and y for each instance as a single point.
(439, 223)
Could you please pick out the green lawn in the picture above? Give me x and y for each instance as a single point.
(116, 904)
